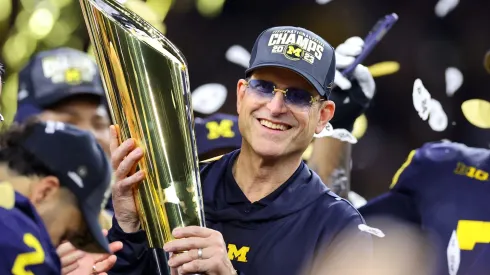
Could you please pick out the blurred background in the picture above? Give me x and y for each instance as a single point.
(442, 42)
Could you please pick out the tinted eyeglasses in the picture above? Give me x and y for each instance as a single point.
(292, 96)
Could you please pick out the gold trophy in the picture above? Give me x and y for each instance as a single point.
(147, 85)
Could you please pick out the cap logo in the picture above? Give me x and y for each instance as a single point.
(73, 76)
(75, 178)
(223, 129)
(53, 126)
(70, 69)
(296, 45)
(294, 52)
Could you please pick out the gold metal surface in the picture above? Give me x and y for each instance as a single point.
(147, 86)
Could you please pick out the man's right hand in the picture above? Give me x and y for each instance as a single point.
(124, 157)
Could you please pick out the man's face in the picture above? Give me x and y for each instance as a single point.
(85, 113)
(272, 127)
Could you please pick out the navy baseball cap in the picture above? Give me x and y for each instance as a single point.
(299, 50)
(75, 157)
(54, 75)
(217, 131)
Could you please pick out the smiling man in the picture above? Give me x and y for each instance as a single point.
(266, 211)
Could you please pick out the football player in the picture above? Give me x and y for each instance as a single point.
(55, 179)
(443, 188)
(64, 85)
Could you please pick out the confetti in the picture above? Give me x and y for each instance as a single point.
(384, 68)
(208, 98)
(323, 2)
(477, 112)
(421, 99)
(437, 119)
(356, 199)
(340, 134)
(443, 7)
(486, 62)
(454, 80)
(307, 153)
(238, 55)
(360, 126)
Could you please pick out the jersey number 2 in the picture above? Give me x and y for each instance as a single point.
(30, 258)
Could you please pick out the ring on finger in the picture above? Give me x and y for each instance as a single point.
(94, 270)
(199, 253)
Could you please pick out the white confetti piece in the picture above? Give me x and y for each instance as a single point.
(453, 254)
(443, 7)
(238, 55)
(421, 99)
(340, 134)
(208, 98)
(454, 80)
(356, 199)
(323, 2)
(437, 119)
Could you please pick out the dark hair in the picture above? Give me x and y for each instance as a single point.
(15, 156)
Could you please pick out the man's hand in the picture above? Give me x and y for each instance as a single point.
(351, 97)
(124, 158)
(76, 262)
(213, 259)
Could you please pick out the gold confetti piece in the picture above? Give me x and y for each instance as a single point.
(384, 68)
(486, 62)
(477, 112)
(360, 127)
(308, 151)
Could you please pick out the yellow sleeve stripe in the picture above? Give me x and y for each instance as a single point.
(402, 168)
(211, 159)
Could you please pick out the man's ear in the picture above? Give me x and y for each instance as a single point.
(45, 188)
(327, 110)
(240, 93)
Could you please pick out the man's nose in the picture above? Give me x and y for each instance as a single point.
(277, 105)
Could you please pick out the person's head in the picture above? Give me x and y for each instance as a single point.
(64, 173)
(284, 99)
(216, 135)
(64, 85)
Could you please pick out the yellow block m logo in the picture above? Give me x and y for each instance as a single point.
(223, 129)
(238, 254)
(73, 76)
(294, 51)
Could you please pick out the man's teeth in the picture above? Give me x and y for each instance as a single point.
(274, 126)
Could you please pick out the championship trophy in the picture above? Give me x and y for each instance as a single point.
(147, 86)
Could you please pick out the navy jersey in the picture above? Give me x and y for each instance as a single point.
(444, 188)
(278, 234)
(25, 244)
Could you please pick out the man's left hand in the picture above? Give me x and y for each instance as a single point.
(213, 258)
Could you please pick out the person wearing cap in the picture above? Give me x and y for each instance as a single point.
(266, 212)
(442, 188)
(216, 135)
(54, 180)
(64, 85)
